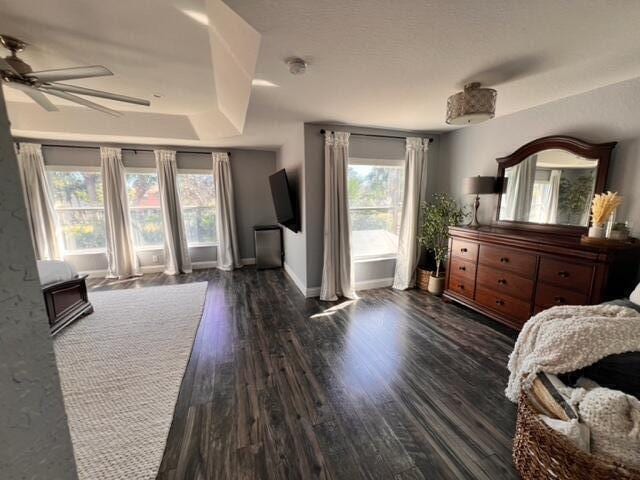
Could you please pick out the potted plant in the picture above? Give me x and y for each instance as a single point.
(437, 217)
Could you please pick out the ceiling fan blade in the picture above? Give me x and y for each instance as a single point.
(82, 101)
(6, 66)
(35, 95)
(62, 87)
(70, 73)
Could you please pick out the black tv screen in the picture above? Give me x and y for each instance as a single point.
(283, 201)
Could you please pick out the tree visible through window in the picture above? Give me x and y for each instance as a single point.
(375, 206)
(197, 199)
(144, 207)
(78, 202)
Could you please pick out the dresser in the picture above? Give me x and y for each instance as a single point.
(510, 274)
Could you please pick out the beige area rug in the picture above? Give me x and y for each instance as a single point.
(120, 370)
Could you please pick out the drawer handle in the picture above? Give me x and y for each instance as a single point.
(462, 268)
(563, 274)
(464, 250)
(500, 302)
(559, 300)
(504, 260)
(461, 286)
(502, 281)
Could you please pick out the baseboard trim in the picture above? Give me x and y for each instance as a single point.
(204, 265)
(298, 283)
(375, 283)
(160, 268)
(359, 286)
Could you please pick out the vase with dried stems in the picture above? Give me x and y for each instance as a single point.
(602, 207)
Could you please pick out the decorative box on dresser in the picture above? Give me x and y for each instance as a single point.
(510, 274)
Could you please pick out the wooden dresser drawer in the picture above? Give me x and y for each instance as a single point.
(508, 306)
(520, 263)
(461, 285)
(573, 276)
(464, 249)
(463, 268)
(504, 282)
(549, 295)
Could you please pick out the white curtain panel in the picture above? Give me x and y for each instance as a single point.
(552, 198)
(337, 270)
(39, 204)
(228, 252)
(176, 249)
(121, 255)
(520, 190)
(408, 248)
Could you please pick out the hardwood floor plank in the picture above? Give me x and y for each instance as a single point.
(394, 385)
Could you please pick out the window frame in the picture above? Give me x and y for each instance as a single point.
(373, 162)
(198, 171)
(77, 168)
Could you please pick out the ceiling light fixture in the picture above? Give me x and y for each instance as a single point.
(259, 82)
(199, 17)
(473, 105)
(297, 66)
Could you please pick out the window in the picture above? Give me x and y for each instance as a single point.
(144, 208)
(197, 199)
(78, 202)
(375, 194)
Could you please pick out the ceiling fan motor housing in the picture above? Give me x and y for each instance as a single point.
(22, 68)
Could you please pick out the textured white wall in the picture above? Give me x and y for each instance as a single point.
(291, 157)
(34, 437)
(607, 114)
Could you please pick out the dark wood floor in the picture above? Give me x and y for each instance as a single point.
(395, 385)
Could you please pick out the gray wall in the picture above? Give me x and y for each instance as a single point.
(363, 147)
(291, 157)
(250, 170)
(34, 437)
(603, 115)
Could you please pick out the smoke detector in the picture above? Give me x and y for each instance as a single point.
(297, 66)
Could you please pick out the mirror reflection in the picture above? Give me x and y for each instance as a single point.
(552, 187)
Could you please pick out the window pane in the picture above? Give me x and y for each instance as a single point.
(375, 204)
(78, 202)
(197, 198)
(76, 189)
(144, 207)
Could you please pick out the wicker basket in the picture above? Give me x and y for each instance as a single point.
(422, 279)
(541, 453)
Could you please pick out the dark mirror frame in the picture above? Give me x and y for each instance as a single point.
(600, 151)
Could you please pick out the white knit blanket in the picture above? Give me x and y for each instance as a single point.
(567, 338)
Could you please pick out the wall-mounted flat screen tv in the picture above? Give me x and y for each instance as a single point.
(283, 201)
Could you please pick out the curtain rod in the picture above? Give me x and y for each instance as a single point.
(323, 131)
(135, 150)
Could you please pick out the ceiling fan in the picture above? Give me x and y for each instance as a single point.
(19, 75)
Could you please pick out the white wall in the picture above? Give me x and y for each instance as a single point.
(607, 114)
(34, 437)
(291, 157)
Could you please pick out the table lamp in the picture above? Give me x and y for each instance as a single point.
(478, 186)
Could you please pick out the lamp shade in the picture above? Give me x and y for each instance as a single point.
(479, 185)
(473, 105)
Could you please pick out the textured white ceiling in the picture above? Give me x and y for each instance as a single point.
(197, 74)
(394, 63)
(371, 63)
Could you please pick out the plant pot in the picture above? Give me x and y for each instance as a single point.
(422, 279)
(596, 231)
(436, 285)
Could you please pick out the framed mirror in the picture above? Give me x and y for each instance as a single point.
(548, 184)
